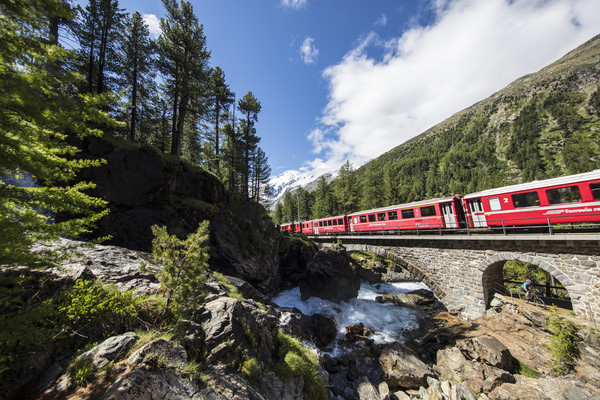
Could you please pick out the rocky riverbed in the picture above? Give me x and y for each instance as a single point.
(239, 343)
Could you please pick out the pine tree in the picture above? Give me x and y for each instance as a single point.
(346, 189)
(222, 99)
(137, 66)
(325, 205)
(250, 107)
(261, 172)
(98, 30)
(39, 109)
(183, 63)
(184, 262)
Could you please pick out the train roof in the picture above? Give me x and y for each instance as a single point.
(334, 217)
(563, 180)
(405, 205)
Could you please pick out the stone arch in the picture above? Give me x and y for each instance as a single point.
(492, 272)
(417, 271)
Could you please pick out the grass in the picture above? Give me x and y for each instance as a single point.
(300, 360)
(523, 369)
(232, 290)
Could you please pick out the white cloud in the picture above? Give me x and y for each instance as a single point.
(153, 23)
(382, 21)
(308, 51)
(473, 49)
(295, 4)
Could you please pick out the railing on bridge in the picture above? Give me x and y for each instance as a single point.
(509, 226)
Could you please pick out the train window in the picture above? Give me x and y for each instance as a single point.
(495, 203)
(428, 211)
(528, 199)
(569, 194)
(381, 217)
(340, 221)
(329, 223)
(320, 223)
(393, 215)
(406, 214)
(363, 218)
(595, 188)
(371, 217)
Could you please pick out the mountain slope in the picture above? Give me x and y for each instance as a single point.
(542, 125)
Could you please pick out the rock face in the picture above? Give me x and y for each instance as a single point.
(144, 190)
(230, 324)
(330, 276)
(401, 368)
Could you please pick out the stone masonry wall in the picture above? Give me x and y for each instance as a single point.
(464, 278)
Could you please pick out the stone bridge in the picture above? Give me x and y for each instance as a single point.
(465, 271)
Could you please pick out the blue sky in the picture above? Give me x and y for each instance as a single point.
(352, 79)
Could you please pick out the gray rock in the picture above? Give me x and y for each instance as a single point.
(112, 349)
(402, 368)
(366, 390)
(49, 377)
(237, 325)
(330, 276)
(173, 355)
(141, 384)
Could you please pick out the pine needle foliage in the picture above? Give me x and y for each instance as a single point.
(184, 262)
(39, 109)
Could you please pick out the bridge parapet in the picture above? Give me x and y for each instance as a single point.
(463, 271)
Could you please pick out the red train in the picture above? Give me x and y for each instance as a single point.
(564, 200)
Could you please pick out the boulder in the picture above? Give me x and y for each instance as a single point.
(401, 368)
(366, 390)
(294, 255)
(160, 351)
(231, 325)
(112, 349)
(143, 384)
(417, 298)
(358, 329)
(330, 276)
(483, 362)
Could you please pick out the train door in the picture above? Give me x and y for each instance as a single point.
(477, 214)
(316, 227)
(449, 216)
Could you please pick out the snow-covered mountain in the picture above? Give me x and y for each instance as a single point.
(290, 180)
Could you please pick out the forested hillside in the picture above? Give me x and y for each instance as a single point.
(542, 125)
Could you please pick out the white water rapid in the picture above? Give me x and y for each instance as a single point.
(388, 321)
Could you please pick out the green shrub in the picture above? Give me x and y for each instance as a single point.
(184, 262)
(251, 369)
(300, 360)
(81, 371)
(562, 343)
(523, 369)
(232, 290)
(93, 309)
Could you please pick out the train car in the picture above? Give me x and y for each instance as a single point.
(287, 227)
(568, 199)
(441, 213)
(307, 227)
(323, 226)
